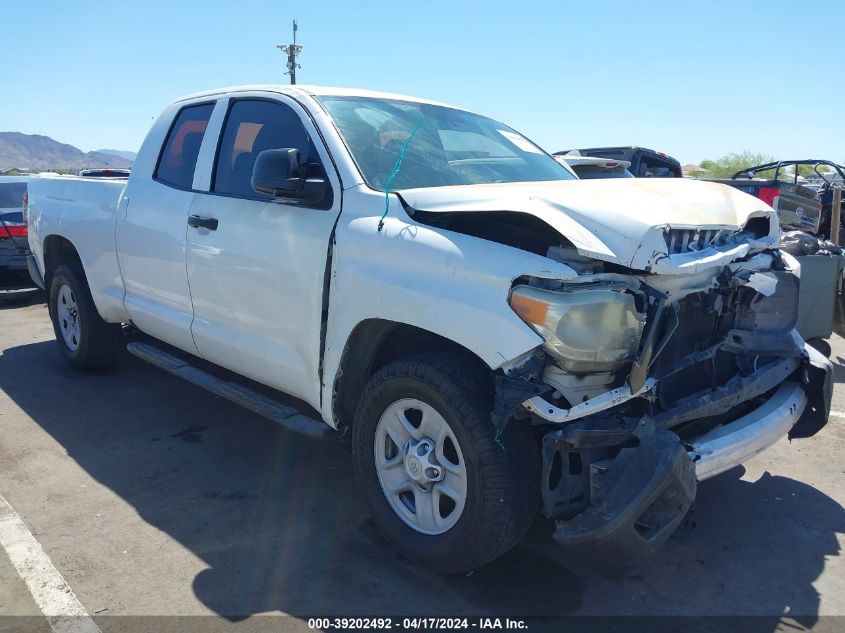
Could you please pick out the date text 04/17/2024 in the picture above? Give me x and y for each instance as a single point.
(417, 623)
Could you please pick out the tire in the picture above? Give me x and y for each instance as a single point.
(86, 341)
(502, 484)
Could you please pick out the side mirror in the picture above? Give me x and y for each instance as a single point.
(276, 172)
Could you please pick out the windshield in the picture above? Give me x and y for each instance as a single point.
(451, 147)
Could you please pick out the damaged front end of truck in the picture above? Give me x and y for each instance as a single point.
(649, 383)
(661, 366)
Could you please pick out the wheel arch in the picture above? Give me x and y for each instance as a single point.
(100, 272)
(374, 343)
(58, 250)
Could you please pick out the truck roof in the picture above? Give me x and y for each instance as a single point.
(316, 91)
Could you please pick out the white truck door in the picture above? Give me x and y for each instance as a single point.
(151, 235)
(256, 266)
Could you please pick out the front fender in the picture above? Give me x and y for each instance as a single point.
(447, 283)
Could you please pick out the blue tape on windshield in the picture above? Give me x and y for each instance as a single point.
(498, 439)
(396, 167)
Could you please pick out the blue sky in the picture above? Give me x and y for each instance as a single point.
(696, 80)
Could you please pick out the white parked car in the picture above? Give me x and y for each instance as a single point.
(498, 335)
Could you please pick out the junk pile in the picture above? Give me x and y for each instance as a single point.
(798, 243)
(821, 263)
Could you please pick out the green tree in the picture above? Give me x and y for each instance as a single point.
(729, 164)
(808, 170)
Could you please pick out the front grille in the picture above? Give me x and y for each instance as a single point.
(691, 240)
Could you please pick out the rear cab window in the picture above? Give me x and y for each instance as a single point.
(178, 158)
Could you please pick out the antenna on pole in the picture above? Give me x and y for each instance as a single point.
(292, 51)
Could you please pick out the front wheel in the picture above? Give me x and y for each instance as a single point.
(85, 339)
(437, 482)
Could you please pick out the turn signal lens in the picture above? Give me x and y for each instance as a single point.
(530, 309)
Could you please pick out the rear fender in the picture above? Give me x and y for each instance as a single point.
(82, 212)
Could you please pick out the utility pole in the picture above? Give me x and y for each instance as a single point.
(292, 51)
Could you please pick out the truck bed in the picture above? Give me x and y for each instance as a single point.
(83, 211)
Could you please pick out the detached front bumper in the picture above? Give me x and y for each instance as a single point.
(620, 510)
(727, 446)
(797, 410)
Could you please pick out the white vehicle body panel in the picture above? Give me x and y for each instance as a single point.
(151, 234)
(448, 283)
(618, 220)
(257, 281)
(82, 210)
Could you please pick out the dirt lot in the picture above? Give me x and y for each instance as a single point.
(151, 497)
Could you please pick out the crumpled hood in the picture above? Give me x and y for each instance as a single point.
(620, 220)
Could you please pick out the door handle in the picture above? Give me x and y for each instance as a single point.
(202, 223)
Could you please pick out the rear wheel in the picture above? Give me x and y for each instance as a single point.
(84, 338)
(437, 483)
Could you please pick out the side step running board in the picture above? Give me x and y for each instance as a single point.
(282, 414)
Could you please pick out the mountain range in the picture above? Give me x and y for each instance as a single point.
(130, 156)
(34, 152)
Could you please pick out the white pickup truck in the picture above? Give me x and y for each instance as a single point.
(497, 335)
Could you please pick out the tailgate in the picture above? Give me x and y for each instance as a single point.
(798, 207)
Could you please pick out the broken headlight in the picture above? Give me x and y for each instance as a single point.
(586, 330)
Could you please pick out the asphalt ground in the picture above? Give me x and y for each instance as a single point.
(157, 506)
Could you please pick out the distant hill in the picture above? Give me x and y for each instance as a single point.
(41, 153)
(119, 152)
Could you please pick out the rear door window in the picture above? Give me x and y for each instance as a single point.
(179, 157)
(252, 127)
